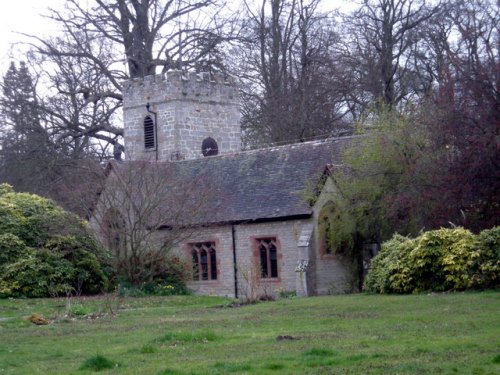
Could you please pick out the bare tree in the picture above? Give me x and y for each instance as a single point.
(289, 93)
(81, 122)
(467, 120)
(380, 45)
(105, 42)
(143, 34)
(144, 210)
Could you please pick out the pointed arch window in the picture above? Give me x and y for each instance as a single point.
(204, 258)
(268, 254)
(149, 133)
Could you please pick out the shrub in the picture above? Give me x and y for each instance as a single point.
(390, 269)
(28, 216)
(459, 252)
(486, 267)
(89, 277)
(444, 259)
(12, 249)
(45, 251)
(5, 188)
(98, 363)
(11, 219)
(41, 275)
(169, 276)
(175, 273)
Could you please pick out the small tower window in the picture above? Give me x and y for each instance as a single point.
(209, 147)
(149, 133)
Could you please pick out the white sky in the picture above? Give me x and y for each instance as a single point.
(24, 16)
(21, 16)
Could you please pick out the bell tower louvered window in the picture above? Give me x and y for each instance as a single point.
(149, 133)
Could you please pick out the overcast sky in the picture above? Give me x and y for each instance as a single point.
(24, 16)
(21, 16)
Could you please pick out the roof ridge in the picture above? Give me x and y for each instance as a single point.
(254, 151)
(274, 148)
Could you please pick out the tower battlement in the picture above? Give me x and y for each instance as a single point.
(171, 116)
(179, 85)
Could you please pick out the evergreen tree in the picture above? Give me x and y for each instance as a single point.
(25, 144)
(32, 159)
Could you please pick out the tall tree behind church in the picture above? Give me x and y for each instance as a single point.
(381, 51)
(290, 92)
(33, 156)
(26, 150)
(116, 40)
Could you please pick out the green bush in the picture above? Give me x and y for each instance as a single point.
(98, 363)
(88, 277)
(486, 267)
(12, 220)
(169, 276)
(46, 251)
(441, 259)
(172, 275)
(12, 248)
(28, 216)
(41, 275)
(390, 269)
(438, 260)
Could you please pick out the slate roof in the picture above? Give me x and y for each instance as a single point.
(263, 184)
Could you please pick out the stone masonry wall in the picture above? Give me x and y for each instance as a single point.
(286, 233)
(190, 108)
(334, 274)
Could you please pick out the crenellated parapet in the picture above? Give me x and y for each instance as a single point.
(180, 85)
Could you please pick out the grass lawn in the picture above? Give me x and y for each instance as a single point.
(356, 334)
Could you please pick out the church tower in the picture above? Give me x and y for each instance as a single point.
(180, 116)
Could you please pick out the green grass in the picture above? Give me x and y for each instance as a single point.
(98, 363)
(454, 333)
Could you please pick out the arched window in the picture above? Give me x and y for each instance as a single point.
(204, 264)
(213, 265)
(268, 254)
(149, 133)
(204, 259)
(326, 228)
(209, 147)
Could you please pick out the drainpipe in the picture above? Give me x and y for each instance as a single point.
(156, 128)
(233, 231)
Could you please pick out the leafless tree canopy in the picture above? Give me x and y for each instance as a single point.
(104, 42)
(291, 92)
(146, 33)
(144, 210)
(305, 72)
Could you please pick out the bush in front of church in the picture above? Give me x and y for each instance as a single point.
(169, 275)
(438, 260)
(46, 251)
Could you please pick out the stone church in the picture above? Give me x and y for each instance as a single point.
(259, 234)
